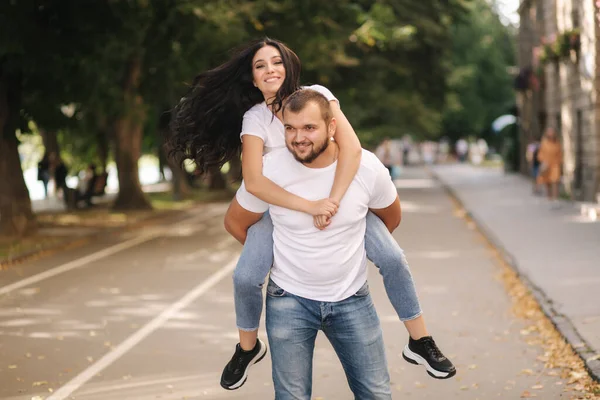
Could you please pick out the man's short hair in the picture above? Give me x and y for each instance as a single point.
(298, 100)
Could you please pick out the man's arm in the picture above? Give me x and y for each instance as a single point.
(391, 215)
(238, 220)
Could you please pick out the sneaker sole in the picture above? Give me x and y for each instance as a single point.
(257, 358)
(416, 359)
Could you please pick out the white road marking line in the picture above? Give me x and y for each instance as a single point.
(141, 334)
(88, 259)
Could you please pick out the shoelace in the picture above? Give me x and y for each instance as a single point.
(432, 349)
(236, 362)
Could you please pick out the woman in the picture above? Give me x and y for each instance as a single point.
(243, 97)
(550, 158)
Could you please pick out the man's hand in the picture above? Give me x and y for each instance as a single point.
(321, 221)
(326, 207)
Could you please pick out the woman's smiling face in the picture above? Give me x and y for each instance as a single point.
(268, 71)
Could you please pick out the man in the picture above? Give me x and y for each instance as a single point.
(318, 279)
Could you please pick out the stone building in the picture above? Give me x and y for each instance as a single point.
(558, 86)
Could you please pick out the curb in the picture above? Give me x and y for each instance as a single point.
(563, 324)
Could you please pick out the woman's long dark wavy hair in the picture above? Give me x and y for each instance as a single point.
(206, 124)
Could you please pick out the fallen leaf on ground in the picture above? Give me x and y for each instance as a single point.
(527, 394)
(464, 388)
(596, 357)
(526, 372)
(12, 366)
(537, 387)
(39, 383)
(472, 366)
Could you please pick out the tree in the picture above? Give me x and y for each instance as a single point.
(480, 87)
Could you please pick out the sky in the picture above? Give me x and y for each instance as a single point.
(508, 9)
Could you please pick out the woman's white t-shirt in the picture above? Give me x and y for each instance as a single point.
(260, 121)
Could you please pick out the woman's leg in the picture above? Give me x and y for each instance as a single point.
(248, 279)
(555, 190)
(386, 254)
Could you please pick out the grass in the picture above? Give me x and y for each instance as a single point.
(58, 228)
(10, 248)
(165, 200)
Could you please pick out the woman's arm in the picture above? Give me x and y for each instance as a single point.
(269, 192)
(350, 153)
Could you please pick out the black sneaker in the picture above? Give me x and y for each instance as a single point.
(425, 352)
(236, 371)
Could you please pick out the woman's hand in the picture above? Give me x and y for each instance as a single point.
(325, 207)
(321, 221)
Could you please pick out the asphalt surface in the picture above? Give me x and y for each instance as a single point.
(149, 315)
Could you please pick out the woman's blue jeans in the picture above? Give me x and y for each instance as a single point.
(257, 257)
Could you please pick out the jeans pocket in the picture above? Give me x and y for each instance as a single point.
(274, 290)
(363, 291)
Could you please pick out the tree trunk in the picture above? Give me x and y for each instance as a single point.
(181, 186)
(235, 169)
(102, 145)
(128, 131)
(216, 179)
(162, 163)
(16, 216)
(50, 141)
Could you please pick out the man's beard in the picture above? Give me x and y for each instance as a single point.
(312, 156)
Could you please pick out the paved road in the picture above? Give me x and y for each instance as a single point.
(149, 315)
(557, 249)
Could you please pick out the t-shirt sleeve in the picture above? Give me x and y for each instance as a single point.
(384, 191)
(251, 125)
(324, 91)
(250, 202)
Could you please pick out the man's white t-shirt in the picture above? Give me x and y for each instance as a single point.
(260, 121)
(327, 265)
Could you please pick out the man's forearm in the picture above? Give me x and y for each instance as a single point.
(237, 232)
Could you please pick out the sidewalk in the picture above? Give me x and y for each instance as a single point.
(556, 251)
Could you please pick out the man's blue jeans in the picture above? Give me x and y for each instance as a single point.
(353, 329)
(257, 257)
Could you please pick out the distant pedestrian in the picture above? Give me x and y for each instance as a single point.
(384, 153)
(462, 149)
(60, 175)
(531, 156)
(44, 172)
(550, 157)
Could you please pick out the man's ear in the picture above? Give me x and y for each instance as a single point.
(331, 128)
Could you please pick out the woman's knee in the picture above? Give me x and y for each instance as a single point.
(244, 281)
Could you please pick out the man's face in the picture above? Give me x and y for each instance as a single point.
(306, 133)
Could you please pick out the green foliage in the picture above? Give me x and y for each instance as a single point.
(397, 66)
(480, 86)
